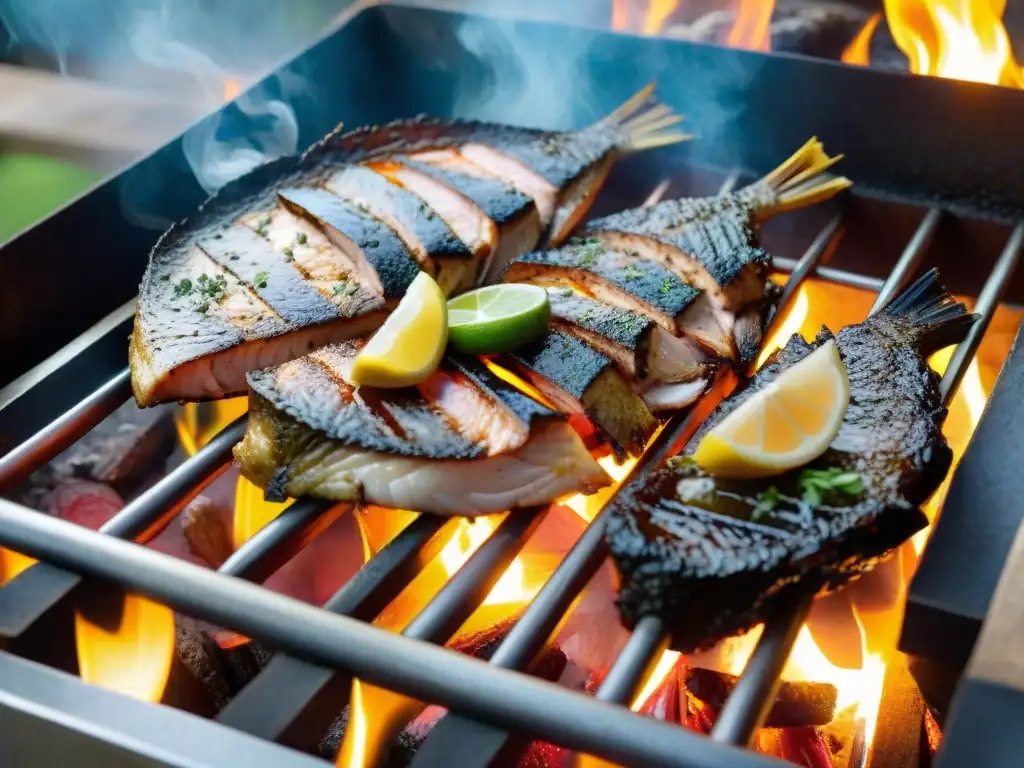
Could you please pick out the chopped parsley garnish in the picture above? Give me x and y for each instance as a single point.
(301, 239)
(212, 288)
(819, 485)
(340, 288)
(666, 285)
(289, 255)
(262, 224)
(631, 272)
(184, 288)
(203, 307)
(260, 280)
(682, 461)
(767, 500)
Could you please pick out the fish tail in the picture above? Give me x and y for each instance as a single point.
(799, 181)
(642, 122)
(938, 318)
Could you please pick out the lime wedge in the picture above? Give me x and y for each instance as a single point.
(498, 318)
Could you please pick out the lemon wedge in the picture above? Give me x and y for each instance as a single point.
(410, 344)
(784, 425)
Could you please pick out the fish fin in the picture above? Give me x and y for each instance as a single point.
(642, 122)
(799, 181)
(940, 320)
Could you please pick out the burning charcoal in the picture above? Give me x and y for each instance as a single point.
(124, 451)
(796, 703)
(821, 29)
(85, 503)
(223, 672)
(206, 526)
(804, 746)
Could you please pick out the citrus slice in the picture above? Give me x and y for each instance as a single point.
(498, 318)
(784, 425)
(410, 344)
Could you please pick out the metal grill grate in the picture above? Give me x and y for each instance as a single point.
(295, 697)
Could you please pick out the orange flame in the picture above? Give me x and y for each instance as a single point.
(859, 50)
(752, 26)
(958, 39)
(12, 563)
(134, 659)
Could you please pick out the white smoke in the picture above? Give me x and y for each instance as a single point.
(201, 51)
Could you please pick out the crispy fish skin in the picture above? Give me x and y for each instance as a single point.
(706, 555)
(612, 277)
(579, 379)
(198, 345)
(464, 442)
(176, 355)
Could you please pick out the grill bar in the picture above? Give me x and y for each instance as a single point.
(305, 695)
(909, 260)
(413, 668)
(40, 588)
(635, 662)
(23, 459)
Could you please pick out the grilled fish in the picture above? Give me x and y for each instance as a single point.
(712, 557)
(462, 443)
(712, 242)
(305, 251)
(667, 371)
(579, 379)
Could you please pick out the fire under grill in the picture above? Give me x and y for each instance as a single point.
(919, 215)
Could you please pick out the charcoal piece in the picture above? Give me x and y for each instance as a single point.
(205, 525)
(796, 703)
(817, 29)
(222, 671)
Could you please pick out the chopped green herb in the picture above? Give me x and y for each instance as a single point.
(301, 239)
(203, 307)
(767, 500)
(631, 272)
(682, 461)
(818, 485)
(195, 333)
(340, 288)
(184, 288)
(351, 289)
(666, 285)
(261, 280)
(289, 255)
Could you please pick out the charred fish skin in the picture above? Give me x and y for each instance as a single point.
(713, 557)
(580, 379)
(387, 254)
(715, 232)
(588, 262)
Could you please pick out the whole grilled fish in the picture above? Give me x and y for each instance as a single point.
(712, 557)
(461, 443)
(302, 252)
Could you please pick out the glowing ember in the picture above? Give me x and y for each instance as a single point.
(133, 659)
(958, 39)
(859, 50)
(752, 26)
(794, 321)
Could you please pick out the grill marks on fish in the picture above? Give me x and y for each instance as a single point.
(712, 559)
(457, 444)
(336, 242)
(579, 379)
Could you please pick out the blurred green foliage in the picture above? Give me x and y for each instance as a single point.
(31, 186)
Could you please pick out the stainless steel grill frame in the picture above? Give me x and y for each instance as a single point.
(492, 705)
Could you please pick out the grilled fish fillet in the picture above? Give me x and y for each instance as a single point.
(462, 443)
(302, 252)
(667, 371)
(712, 557)
(623, 280)
(579, 379)
(712, 242)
